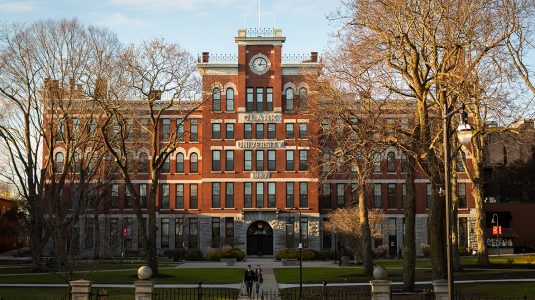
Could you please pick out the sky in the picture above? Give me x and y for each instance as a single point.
(197, 25)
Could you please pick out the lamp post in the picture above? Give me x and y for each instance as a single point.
(496, 221)
(300, 253)
(464, 134)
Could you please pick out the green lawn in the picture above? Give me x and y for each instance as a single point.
(211, 275)
(57, 293)
(512, 289)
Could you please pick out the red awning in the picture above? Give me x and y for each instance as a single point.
(506, 233)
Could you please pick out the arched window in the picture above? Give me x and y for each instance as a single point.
(216, 99)
(230, 99)
(143, 163)
(391, 162)
(76, 162)
(302, 98)
(180, 163)
(194, 163)
(59, 162)
(289, 99)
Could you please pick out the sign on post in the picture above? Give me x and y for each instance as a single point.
(496, 229)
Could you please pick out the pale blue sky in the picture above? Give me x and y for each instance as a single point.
(197, 25)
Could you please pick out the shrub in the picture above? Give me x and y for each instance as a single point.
(213, 254)
(306, 254)
(193, 254)
(325, 255)
(232, 253)
(425, 249)
(381, 251)
(463, 251)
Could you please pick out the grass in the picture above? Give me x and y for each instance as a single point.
(500, 290)
(57, 293)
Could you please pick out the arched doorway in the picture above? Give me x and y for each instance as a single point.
(260, 239)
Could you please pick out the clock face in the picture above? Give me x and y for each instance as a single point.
(259, 64)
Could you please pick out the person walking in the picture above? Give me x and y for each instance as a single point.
(259, 278)
(248, 279)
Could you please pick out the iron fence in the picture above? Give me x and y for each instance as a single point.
(199, 293)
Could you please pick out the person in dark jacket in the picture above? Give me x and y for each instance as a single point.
(249, 278)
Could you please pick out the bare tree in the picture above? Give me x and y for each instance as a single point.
(135, 84)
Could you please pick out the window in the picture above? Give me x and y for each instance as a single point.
(303, 160)
(179, 196)
(303, 194)
(289, 194)
(377, 163)
(216, 99)
(272, 165)
(289, 131)
(429, 190)
(193, 163)
(391, 162)
(59, 162)
(340, 195)
(164, 200)
(392, 195)
(216, 232)
(247, 131)
(216, 160)
(76, 126)
(76, 162)
(193, 241)
(303, 231)
(92, 125)
(377, 199)
(165, 165)
(216, 195)
(165, 129)
(180, 163)
(229, 160)
(194, 130)
(143, 195)
(193, 196)
(229, 132)
(128, 199)
(60, 131)
(229, 195)
(272, 197)
(216, 131)
(259, 99)
(290, 240)
(259, 131)
(247, 194)
(115, 196)
(165, 233)
(229, 231)
(290, 160)
(403, 163)
(302, 98)
(259, 194)
(326, 241)
(271, 134)
(250, 99)
(143, 162)
(248, 160)
(459, 161)
(230, 99)
(404, 195)
(269, 99)
(461, 194)
(114, 232)
(326, 195)
(180, 129)
(179, 232)
(303, 128)
(289, 104)
(260, 160)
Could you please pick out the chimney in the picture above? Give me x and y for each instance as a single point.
(155, 95)
(314, 56)
(205, 57)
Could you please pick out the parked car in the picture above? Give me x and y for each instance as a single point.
(524, 249)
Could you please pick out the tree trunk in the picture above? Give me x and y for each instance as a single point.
(455, 219)
(152, 258)
(96, 252)
(367, 254)
(437, 236)
(482, 254)
(409, 245)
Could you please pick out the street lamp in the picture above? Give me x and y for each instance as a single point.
(300, 253)
(464, 134)
(496, 221)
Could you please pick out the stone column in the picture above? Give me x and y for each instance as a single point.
(440, 288)
(380, 289)
(144, 289)
(80, 289)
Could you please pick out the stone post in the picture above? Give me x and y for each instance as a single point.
(440, 288)
(380, 289)
(80, 289)
(144, 289)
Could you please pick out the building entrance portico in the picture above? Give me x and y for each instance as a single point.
(260, 239)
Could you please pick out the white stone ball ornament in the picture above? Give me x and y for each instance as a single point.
(380, 273)
(145, 273)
